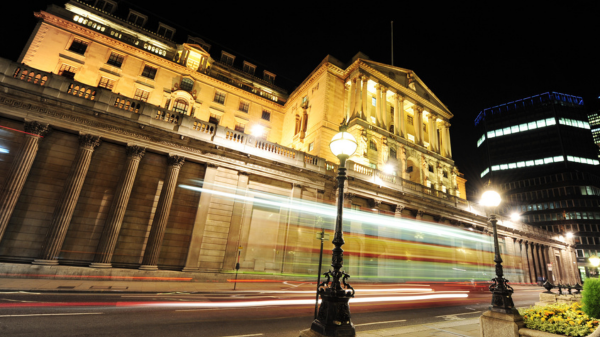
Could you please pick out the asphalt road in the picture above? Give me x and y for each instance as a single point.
(218, 314)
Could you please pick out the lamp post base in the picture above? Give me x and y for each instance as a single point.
(334, 317)
(311, 333)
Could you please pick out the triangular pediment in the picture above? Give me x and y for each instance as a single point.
(408, 79)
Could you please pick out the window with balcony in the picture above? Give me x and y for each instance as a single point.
(249, 68)
(67, 71)
(187, 84)
(106, 83)
(244, 106)
(181, 105)
(227, 58)
(266, 115)
(115, 60)
(165, 31)
(78, 46)
(141, 95)
(269, 77)
(214, 118)
(219, 97)
(240, 127)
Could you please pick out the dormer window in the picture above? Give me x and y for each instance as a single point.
(106, 5)
(269, 77)
(249, 68)
(227, 58)
(165, 31)
(198, 41)
(137, 18)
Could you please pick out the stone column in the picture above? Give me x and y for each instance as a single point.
(538, 251)
(418, 125)
(159, 224)
(399, 209)
(397, 121)
(524, 262)
(403, 161)
(352, 109)
(19, 170)
(112, 226)
(365, 99)
(348, 94)
(449, 148)
(359, 97)
(378, 105)
(401, 117)
(68, 200)
(544, 264)
(531, 261)
(431, 120)
(385, 116)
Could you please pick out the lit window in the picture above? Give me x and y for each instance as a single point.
(499, 133)
(141, 95)
(529, 163)
(219, 97)
(496, 168)
(507, 131)
(106, 83)
(443, 188)
(115, 60)
(180, 105)
(491, 134)
(541, 123)
(187, 84)
(523, 127)
(514, 128)
(67, 71)
(373, 101)
(244, 106)
(539, 162)
(411, 138)
(192, 63)
(559, 158)
(149, 72)
(78, 46)
(532, 125)
(266, 115)
(503, 166)
(249, 68)
(521, 164)
(512, 166)
(311, 146)
(548, 160)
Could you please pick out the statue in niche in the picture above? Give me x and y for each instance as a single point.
(363, 143)
(440, 173)
(454, 174)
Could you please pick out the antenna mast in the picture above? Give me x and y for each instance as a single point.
(392, 42)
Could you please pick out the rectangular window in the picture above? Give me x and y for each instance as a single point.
(106, 83)
(240, 127)
(227, 59)
(67, 71)
(373, 101)
(214, 118)
(249, 68)
(410, 120)
(219, 97)
(165, 32)
(244, 106)
(311, 146)
(78, 46)
(149, 72)
(141, 95)
(266, 115)
(115, 60)
(269, 77)
(187, 84)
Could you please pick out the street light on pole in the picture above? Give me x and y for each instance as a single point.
(333, 318)
(501, 291)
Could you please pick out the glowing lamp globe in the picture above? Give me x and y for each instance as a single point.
(343, 145)
(515, 217)
(595, 261)
(569, 235)
(490, 199)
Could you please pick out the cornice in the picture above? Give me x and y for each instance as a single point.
(147, 56)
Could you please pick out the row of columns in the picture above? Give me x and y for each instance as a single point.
(439, 133)
(535, 258)
(61, 218)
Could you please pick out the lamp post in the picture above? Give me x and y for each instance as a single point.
(595, 262)
(333, 318)
(501, 291)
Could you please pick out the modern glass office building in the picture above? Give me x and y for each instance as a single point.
(539, 152)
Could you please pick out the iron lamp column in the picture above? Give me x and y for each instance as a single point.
(501, 291)
(333, 318)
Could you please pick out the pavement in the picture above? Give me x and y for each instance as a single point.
(467, 327)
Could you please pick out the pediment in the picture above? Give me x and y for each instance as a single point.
(406, 77)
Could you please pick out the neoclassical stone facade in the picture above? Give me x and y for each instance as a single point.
(100, 179)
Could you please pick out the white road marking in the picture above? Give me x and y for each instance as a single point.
(454, 316)
(386, 322)
(65, 314)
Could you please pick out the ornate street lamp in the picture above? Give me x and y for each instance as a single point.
(501, 291)
(594, 261)
(333, 318)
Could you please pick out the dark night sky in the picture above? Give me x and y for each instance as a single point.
(471, 56)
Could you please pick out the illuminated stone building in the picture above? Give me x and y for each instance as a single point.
(121, 145)
(540, 151)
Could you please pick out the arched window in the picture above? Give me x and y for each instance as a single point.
(180, 106)
(373, 145)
